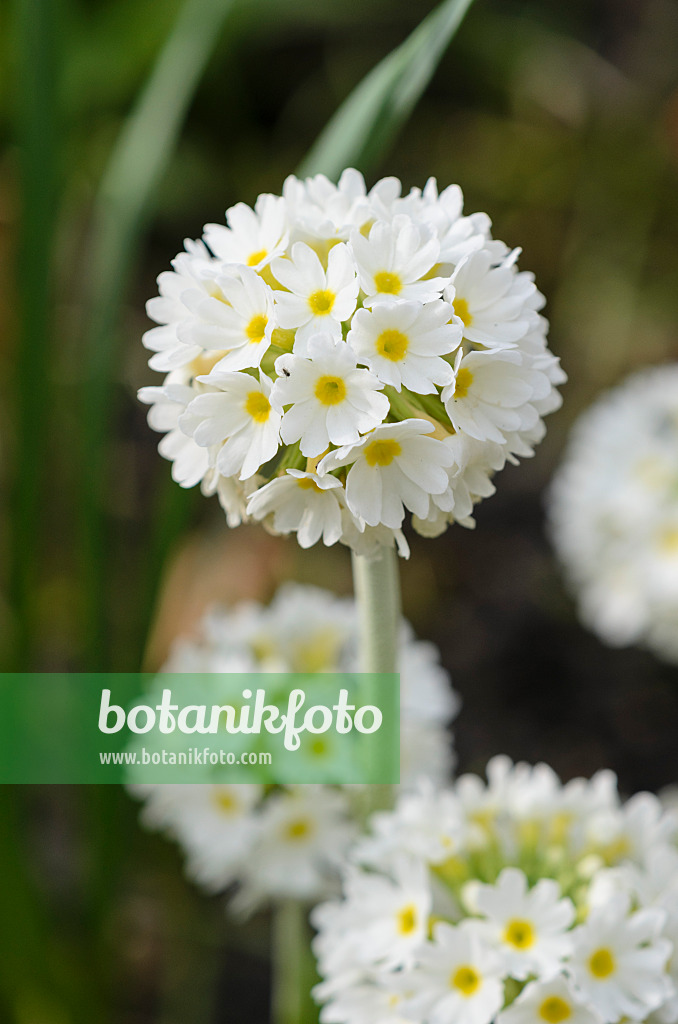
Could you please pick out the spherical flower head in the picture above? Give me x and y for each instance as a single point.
(421, 316)
(533, 920)
(280, 842)
(613, 513)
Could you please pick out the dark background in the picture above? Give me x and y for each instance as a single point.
(561, 121)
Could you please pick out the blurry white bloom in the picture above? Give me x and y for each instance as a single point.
(619, 960)
(548, 1002)
(457, 979)
(366, 310)
(512, 867)
(613, 513)
(287, 841)
(528, 927)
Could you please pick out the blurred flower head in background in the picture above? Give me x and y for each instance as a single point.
(519, 899)
(613, 510)
(336, 357)
(279, 842)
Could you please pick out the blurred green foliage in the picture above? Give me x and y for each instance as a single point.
(560, 120)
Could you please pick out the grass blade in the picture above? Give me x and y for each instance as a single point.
(123, 205)
(370, 118)
(37, 40)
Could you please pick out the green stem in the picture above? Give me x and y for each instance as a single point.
(376, 582)
(377, 591)
(293, 972)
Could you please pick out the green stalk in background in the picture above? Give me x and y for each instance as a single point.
(123, 205)
(292, 965)
(366, 124)
(37, 36)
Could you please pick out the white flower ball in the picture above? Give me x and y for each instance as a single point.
(336, 358)
(287, 842)
(613, 511)
(520, 901)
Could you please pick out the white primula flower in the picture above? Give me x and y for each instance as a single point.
(528, 927)
(404, 342)
(366, 1004)
(329, 399)
(190, 462)
(303, 834)
(395, 467)
(253, 237)
(458, 235)
(490, 395)
(190, 270)
(548, 1002)
(316, 300)
(216, 827)
(619, 961)
(457, 979)
(382, 921)
(239, 414)
(303, 503)
(238, 321)
(494, 303)
(394, 259)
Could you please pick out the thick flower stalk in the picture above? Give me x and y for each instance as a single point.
(520, 901)
(613, 510)
(285, 843)
(336, 358)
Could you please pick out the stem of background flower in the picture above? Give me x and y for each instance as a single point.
(292, 965)
(376, 582)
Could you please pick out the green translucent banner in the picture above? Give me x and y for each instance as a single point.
(262, 727)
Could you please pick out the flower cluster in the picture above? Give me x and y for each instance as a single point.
(522, 900)
(279, 842)
(335, 357)
(614, 512)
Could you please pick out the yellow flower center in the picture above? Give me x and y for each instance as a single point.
(256, 328)
(668, 540)
(393, 345)
(462, 383)
(461, 309)
(321, 302)
(407, 919)
(330, 390)
(554, 1010)
(298, 829)
(256, 257)
(519, 934)
(225, 801)
(307, 484)
(318, 747)
(387, 282)
(382, 453)
(258, 406)
(601, 963)
(466, 980)
(205, 362)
